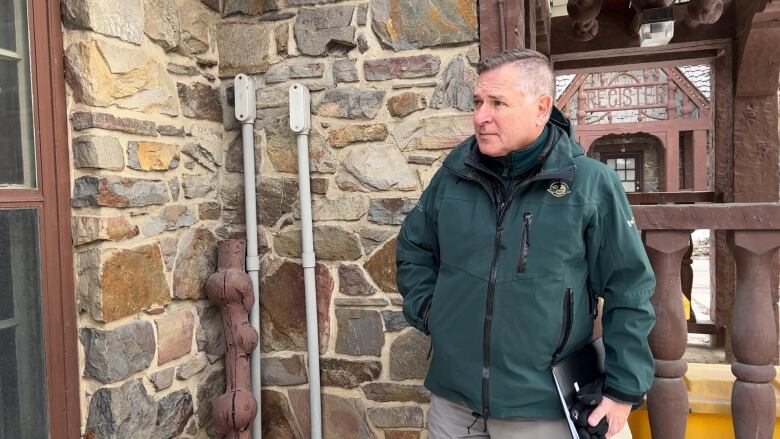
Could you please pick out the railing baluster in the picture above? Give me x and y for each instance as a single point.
(753, 335)
(668, 399)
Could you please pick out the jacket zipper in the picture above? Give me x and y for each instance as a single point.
(566, 323)
(501, 210)
(525, 242)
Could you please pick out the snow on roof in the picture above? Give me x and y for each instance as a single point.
(699, 76)
(561, 83)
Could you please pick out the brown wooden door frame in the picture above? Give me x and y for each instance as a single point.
(52, 200)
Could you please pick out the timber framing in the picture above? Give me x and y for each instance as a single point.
(616, 45)
(512, 24)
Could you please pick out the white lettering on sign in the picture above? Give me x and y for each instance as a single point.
(625, 97)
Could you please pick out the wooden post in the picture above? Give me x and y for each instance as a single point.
(530, 24)
(700, 160)
(501, 26)
(672, 161)
(753, 335)
(722, 164)
(581, 113)
(667, 401)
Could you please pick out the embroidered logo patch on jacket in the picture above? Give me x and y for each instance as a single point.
(559, 189)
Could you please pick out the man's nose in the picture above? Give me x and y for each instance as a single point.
(482, 115)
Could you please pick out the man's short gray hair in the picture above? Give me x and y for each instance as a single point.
(536, 74)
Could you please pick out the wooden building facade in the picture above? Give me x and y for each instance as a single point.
(651, 125)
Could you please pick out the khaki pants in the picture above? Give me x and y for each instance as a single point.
(450, 420)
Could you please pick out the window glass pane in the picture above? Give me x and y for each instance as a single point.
(631, 163)
(611, 163)
(7, 25)
(22, 366)
(6, 288)
(621, 163)
(631, 175)
(17, 146)
(9, 385)
(622, 175)
(628, 186)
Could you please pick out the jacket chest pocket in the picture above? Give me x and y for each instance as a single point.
(525, 242)
(540, 240)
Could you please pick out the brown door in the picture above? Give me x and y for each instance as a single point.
(38, 378)
(628, 167)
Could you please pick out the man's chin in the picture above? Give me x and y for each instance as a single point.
(490, 149)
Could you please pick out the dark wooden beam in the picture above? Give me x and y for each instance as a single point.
(685, 61)
(614, 35)
(737, 216)
(655, 126)
(675, 57)
(639, 198)
(706, 328)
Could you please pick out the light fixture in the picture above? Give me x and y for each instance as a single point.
(657, 27)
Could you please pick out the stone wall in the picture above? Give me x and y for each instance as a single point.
(156, 164)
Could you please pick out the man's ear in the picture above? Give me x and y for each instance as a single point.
(544, 108)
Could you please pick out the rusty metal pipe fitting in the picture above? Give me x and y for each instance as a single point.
(231, 289)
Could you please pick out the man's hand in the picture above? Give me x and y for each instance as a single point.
(616, 413)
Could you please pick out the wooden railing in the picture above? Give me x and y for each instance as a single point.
(695, 324)
(754, 236)
(684, 197)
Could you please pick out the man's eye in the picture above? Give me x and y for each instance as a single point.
(499, 104)
(477, 103)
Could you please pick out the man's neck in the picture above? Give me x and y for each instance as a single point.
(537, 139)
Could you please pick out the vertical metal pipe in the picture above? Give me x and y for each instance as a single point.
(300, 120)
(252, 261)
(307, 239)
(245, 109)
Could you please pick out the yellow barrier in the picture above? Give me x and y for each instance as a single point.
(709, 395)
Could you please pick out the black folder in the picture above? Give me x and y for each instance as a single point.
(581, 367)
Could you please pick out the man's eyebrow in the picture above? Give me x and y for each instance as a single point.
(496, 97)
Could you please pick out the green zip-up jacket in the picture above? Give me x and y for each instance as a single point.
(507, 280)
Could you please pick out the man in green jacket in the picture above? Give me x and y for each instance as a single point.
(504, 258)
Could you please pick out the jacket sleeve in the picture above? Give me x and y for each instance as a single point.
(417, 259)
(620, 272)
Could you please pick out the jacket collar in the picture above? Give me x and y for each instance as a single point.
(556, 161)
